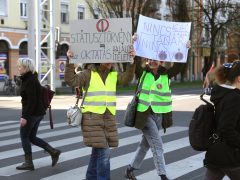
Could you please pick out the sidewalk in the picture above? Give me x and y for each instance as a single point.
(176, 86)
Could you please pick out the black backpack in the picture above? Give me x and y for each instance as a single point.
(47, 95)
(201, 127)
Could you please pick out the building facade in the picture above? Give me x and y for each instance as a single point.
(14, 32)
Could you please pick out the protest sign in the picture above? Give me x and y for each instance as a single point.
(162, 40)
(101, 40)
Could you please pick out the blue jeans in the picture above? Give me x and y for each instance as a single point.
(28, 134)
(151, 139)
(99, 165)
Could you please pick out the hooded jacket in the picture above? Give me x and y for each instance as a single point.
(225, 152)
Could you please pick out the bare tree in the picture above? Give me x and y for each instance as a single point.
(217, 16)
(126, 8)
(180, 13)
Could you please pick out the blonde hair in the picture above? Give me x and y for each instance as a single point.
(28, 63)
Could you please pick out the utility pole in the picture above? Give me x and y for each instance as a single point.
(192, 40)
(38, 36)
(52, 46)
(31, 32)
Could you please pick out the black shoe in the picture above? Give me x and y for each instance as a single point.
(55, 157)
(25, 166)
(164, 177)
(28, 164)
(55, 153)
(129, 173)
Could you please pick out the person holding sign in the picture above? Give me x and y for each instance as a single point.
(154, 101)
(99, 82)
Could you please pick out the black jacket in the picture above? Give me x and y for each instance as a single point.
(226, 152)
(31, 93)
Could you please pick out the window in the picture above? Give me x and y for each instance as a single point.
(81, 12)
(96, 13)
(3, 8)
(23, 49)
(23, 8)
(64, 14)
(111, 14)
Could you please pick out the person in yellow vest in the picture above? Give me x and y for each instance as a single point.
(154, 101)
(99, 109)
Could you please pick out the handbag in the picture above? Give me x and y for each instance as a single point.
(74, 116)
(167, 121)
(130, 114)
(74, 113)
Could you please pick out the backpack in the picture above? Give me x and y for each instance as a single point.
(201, 127)
(47, 95)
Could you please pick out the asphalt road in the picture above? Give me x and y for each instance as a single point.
(183, 163)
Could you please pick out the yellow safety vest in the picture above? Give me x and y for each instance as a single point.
(101, 96)
(156, 94)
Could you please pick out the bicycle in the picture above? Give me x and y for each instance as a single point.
(8, 87)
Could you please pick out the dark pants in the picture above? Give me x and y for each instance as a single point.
(99, 165)
(219, 173)
(28, 134)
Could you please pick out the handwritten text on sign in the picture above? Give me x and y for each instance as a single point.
(101, 40)
(162, 40)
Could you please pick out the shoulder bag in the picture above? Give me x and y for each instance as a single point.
(130, 114)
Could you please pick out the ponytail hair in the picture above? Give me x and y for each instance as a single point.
(228, 72)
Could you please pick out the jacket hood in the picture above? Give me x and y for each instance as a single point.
(218, 92)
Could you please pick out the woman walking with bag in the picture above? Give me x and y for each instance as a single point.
(32, 113)
(99, 109)
(154, 101)
(223, 155)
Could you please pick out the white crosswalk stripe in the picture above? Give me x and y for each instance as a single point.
(7, 171)
(176, 141)
(123, 160)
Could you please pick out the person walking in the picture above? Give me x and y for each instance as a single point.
(155, 104)
(223, 155)
(32, 113)
(99, 128)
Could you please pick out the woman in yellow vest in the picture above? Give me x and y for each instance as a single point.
(154, 100)
(98, 125)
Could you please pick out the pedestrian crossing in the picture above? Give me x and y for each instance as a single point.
(74, 158)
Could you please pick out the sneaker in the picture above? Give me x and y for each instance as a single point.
(164, 177)
(129, 173)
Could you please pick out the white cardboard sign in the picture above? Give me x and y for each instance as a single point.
(162, 40)
(101, 40)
